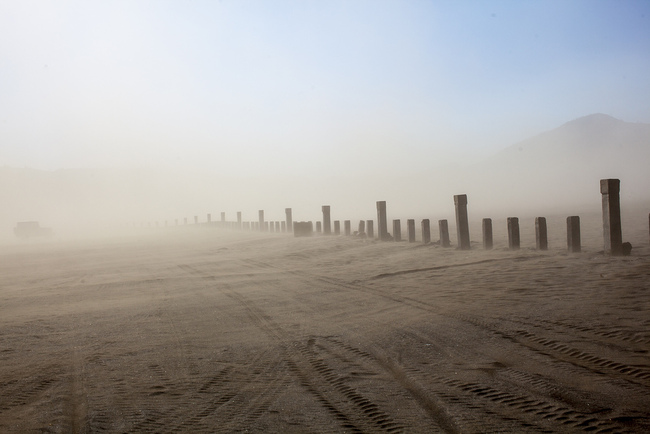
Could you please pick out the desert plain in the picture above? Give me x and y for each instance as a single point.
(198, 329)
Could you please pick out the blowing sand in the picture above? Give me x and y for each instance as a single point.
(206, 330)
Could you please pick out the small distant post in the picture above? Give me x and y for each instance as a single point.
(223, 218)
(260, 214)
(382, 223)
(209, 218)
(337, 227)
(239, 219)
(362, 227)
(196, 219)
(370, 228)
(410, 227)
(283, 226)
(277, 226)
(348, 227)
(319, 227)
(541, 234)
(462, 222)
(443, 227)
(573, 234)
(426, 231)
(289, 218)
(397, 230)
(185, 220)
(610, 189)
(513, 233)
(327, 225)
(271, 227)
(487, 234)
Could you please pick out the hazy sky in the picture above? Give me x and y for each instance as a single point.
(307, 87)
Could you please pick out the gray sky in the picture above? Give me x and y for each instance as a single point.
(307, 87)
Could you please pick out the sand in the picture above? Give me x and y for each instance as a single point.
(205, 330)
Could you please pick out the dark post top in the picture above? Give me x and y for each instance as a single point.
(608, 186)
(460, 199)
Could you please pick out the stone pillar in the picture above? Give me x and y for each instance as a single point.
(487, 234)
(319, 227)
(610, 189)
(266, 226)
(261, 220)
(247, 226)
(277, 226)
(271, 227)
(289, 218)
(541, 234)
(327, 224)
(223, 218)
(239, 219)
(513, 233)
(196, 219)
(426, 231)
(397, 230)
(443, 227)
(362, 227)
(348, 227)
(283, 226)
(382, 223)
(370, 228)
(410, 227)
(337, 227)
(573, 234)
(209, 218)
(462, 222)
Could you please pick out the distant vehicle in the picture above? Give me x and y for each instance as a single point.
(26, 230)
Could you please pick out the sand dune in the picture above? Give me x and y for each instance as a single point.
(190, 330)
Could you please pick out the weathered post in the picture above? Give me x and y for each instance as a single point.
(426, 231)
(513, 233)
(462, 222)
(327, 225)
(370, 228)
(209, 218)
(239, 219)
(410, 227)
(337, 227)
(487, 234)
(610, 189)
(283, 226)
(266, 226)
(443, 227)
(303, 229)
(261, 220)
(348, 227)
(196, 219)
(185, 220)
(573, 234)
(362, 227)
(289, 218)
(541, 234)
(319, 227)
(382, 223)
(397, 230)
(277, 226)
(223, 218)
(271, 227)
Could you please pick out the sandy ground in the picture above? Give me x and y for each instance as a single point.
(203, 330)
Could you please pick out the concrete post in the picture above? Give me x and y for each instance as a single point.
(348, 227)
(277, 226)
(487, 234)
(337, 227)
(266, 226)
(443, 227)
(283, 226)
(271, 227)
(610, 189)
(370, 228)
(209, 218)
(426, 231)
(261, 220)
(573, 234)
(239, 219)
(382, 223)
(462, 222)
(410, 227)
(327, 225)
(541, 234)
(513, 233)
(362, 227)
(185, 220)
(247, 226)
(397, 230)
(196, 219)
(289, 218)
(319, 227)
(223, 217)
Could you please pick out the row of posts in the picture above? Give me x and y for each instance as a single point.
(609, 189)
